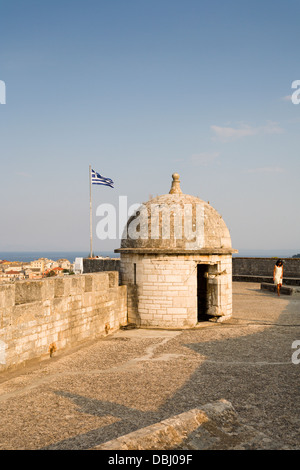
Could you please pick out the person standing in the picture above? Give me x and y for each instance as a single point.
(278, 275)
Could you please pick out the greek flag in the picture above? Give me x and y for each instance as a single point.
(98, 179)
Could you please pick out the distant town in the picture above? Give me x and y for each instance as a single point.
(11, 271)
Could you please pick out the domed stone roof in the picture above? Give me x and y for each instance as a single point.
(176, 222)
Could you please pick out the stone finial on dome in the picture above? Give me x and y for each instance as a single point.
(175, 188)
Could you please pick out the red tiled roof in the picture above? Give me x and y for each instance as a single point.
(54, 269)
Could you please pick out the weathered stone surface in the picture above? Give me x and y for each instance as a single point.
(264, 267)
(214, 426)
(92, 265)
(288, 281)
(164, 293)
(287, 290)
(63, 312)
(28, 291)
(215, 232)
(84, 397)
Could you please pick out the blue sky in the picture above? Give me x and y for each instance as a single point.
(140, 90)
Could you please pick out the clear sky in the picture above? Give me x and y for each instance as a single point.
(141, 89)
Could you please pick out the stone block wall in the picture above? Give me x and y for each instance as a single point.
(242, 266)
(162, 290)
(57, 313)
(95, 265)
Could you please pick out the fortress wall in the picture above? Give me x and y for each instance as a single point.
(56, 311)
(95, 265)
(264, 266)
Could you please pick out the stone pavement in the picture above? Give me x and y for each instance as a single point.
(135, 378)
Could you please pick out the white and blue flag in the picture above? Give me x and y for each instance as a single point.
(98, 179)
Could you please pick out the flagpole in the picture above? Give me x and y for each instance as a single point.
(91, 215)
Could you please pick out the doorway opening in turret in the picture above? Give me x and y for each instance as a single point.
(202, 292)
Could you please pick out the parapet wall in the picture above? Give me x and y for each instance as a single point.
(95, 265)
(40, 316)
(264, 267)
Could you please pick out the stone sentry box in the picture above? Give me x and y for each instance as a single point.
(176, 261)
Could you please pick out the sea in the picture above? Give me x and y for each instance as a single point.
(27, 256)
